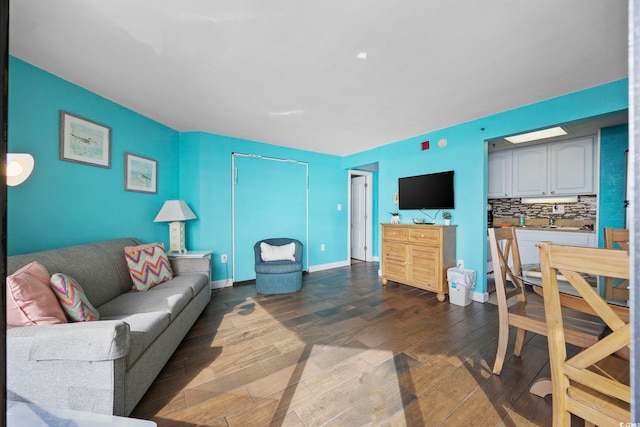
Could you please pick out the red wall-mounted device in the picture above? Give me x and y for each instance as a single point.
(424, 145)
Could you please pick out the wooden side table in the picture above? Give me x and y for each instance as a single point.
(191, 262)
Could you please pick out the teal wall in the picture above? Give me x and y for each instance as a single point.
(614, 142)
(466, 154)
(65, 203)
(205, 183)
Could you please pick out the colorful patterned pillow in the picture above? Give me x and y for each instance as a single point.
(30, 301)
(72, 298)
(148, 265)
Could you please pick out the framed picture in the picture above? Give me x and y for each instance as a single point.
(84, 141)
(140, 174)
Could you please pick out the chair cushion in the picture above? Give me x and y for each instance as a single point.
(30, 300)
(278, 267)
(277, 253)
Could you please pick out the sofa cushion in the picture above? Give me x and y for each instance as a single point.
(278, 267)
(148, 265)
(72, 298)
(277, 253)
(30, 300)
(100, 267)
(159, 298)
(144, 328)
(186, 283)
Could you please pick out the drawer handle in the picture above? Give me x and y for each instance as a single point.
(422, 235)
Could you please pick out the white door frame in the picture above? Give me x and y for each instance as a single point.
(233, 205)
(369, 209)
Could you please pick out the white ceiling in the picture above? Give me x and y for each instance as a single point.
(288, 72)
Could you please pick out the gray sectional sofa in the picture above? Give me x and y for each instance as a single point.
(104, 366)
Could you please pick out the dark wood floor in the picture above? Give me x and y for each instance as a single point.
(346, 351)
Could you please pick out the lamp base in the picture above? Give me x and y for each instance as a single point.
(176, 237)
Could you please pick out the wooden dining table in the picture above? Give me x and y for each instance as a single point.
(569, 297)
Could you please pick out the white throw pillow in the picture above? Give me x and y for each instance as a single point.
(277, 253)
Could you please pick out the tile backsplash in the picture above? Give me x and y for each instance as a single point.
(584, 209)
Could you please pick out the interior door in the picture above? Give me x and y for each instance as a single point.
(269, 200)
(358, 218)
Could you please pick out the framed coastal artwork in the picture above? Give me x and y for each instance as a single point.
(140, 174)
(84, 141)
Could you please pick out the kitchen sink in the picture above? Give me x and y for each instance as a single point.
(559, 227)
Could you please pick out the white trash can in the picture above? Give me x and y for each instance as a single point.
(461, 281)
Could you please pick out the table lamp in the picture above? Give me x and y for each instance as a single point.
(175, 212)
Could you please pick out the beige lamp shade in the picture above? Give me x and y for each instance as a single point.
(19, 167)
(175, 212)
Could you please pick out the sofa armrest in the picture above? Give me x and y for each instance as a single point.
(89, 341)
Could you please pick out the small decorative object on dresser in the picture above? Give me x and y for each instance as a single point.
(395, 217)
(446, 215)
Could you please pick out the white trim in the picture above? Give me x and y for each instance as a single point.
(480, 296)
(369, 209)
(219, 284)
(233, 204)
(321, 267)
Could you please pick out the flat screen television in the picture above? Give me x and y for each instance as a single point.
(430, 191)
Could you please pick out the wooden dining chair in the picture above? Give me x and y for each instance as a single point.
(594, 384)
(527, 314)
(616, 238)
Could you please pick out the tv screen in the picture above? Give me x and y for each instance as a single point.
(431, 191)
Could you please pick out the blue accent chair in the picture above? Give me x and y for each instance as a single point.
(278, 277)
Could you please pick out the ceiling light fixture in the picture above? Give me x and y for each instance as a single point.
(285, 113)
(539, 134)
(362, 55)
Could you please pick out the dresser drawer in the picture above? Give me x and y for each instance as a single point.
(427, 236)
(395, 233)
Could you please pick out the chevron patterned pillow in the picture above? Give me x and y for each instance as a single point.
(148, 265)
(72, 298)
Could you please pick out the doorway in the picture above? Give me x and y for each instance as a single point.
(360, 216)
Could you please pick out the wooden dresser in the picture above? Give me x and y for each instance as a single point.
(418, 255)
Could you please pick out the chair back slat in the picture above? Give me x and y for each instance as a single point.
(616, 238)
(594, 384)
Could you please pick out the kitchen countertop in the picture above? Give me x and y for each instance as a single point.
(547, 228)
(542, 224)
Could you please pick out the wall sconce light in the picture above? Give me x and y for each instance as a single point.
(175, 212)
(19, 167)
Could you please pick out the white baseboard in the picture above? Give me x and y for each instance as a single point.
(480, 296)
(329, 266)
(219, 284)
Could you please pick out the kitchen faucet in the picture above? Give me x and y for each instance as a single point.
(551, 220)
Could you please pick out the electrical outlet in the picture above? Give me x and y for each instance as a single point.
(223, 258)
(322, 247)
(557, 209)
(460, 263)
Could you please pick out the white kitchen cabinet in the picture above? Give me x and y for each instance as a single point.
(571, 167)
(530, 170)
(528, 242)
(500, 174)
(557, 169)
